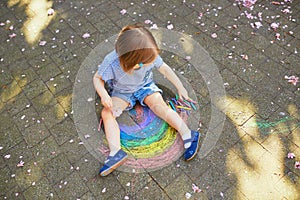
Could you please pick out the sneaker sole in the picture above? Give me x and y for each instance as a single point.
(112, 168)
(191, 158)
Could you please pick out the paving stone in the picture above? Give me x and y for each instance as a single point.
(26, 117)
(46, 150)
(151, 191)
(133, 182)
(28, 175)
(74, 149)
(44, 101)
(180, 186)
(213, 182)
(9, 138)
(88, 167)
(276, 53)
(13, 193)
(34, 88)
(40, 189)
(264, 105)
(35, 133)
(5, 121)
(58, 83)
(53, 115)
(87, 196)
(10, 91)
(71, 187)
(5, 77)
(17, 104)
(62, 57)
(63, 131)
(46, 72)
(39, 60)
(7, 182)
(106, 187)
(57, 169)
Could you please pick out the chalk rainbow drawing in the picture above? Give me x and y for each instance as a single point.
(151, 143)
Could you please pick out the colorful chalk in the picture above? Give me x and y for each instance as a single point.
(193, 106)
(185, 108)
(172, 105)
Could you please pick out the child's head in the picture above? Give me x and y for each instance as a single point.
(136, 45)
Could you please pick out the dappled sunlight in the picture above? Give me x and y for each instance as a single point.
(292, 109)
(12, 90)
(18, 2)
(37, 17)
(259, 168)
(65, 102)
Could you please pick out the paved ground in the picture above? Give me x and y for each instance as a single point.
(40, 58)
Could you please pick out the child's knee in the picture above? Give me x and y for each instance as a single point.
(106, 112)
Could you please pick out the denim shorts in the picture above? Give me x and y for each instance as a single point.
(139, 95)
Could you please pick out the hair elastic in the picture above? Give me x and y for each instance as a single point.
(141, 64)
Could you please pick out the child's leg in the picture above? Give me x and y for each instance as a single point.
(111, 127)
(162, 110)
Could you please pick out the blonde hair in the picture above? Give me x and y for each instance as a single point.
(135, 45)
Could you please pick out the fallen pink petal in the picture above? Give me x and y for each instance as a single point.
(154, 27)
(42, 43)
(13, 35)
(86, 35)
(21, 164)
(297, 164)
(291, 155)
(50, 11)
(292, 79)
(214, 35)
(274, 25)
(170, 26)
(195, 188)
(148, 21)
(123, 12)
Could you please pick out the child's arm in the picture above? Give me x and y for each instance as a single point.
(99, 86)
(173, 78)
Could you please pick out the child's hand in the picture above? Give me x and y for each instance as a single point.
(106, 101)
(183, 94)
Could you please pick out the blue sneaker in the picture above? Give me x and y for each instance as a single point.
(113, 162)
(190, 152)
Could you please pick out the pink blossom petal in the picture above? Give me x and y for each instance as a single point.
(148, 21)
(20, 164)
(42, 43)
(86, 35)
(244, 56)
(292, 79)
(188, 57)
(12, 35)
(274, 25)
(196, 188)
(297, 165)
(50, 11)
(170, 26)
(154, 27)
(214, 35)
(258, 24)
(123, 12)
(291, 155)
